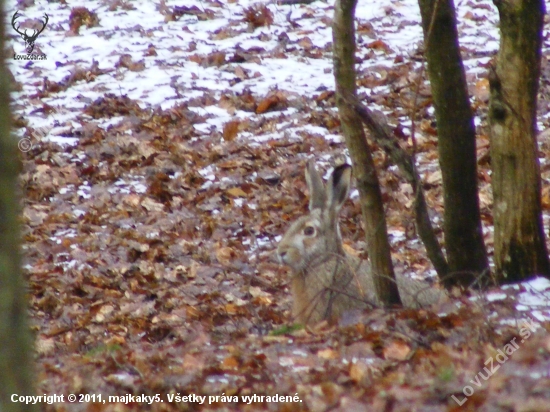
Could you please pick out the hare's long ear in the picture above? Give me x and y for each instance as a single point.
(317, 196)
(338, 187)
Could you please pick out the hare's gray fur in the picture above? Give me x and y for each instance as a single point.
(326, 281)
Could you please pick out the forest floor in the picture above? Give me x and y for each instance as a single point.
(163, 147)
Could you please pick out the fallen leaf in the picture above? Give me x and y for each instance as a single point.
(397, 350)
(328, 354)
(236, 192)
(230, 130)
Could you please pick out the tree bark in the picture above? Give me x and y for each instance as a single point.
(466, 251)
(365, 173)
(16, 346)
(520, 246)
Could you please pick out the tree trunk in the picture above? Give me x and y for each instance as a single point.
(520, 247)
(367, 181)
(16, 347)
(466, 251)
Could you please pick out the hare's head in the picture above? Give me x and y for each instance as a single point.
(316, 237)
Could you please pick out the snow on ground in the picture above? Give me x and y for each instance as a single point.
(131, 31)
(533, 299)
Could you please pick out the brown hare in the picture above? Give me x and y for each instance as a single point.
(326, 281)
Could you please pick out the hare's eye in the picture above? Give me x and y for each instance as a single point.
(309, 231)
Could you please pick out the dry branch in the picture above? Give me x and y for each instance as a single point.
(381, 133)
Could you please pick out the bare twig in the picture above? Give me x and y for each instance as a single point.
(293, 2)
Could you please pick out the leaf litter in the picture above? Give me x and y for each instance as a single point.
(168, 143)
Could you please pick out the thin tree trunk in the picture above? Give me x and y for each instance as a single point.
(15, 347)
(520, 247)
(367, 181)
(466, 251)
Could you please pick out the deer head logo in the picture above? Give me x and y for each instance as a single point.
(29, 39)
